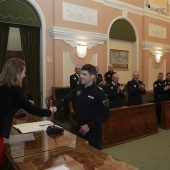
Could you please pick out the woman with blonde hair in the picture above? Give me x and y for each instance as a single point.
(12, 98)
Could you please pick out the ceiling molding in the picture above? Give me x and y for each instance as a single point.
(154, 47)
(74, 37)
(133, 9)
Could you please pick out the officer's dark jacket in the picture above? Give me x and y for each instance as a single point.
(114, 97)
(159, 93)
(167, 92)
(108, 76)
(12, 99)
(134, 93)
(73, 81)
(91, 104)
(99, 79)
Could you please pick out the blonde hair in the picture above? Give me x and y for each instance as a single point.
(11, 72)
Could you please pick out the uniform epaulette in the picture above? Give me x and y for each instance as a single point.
(100, 88)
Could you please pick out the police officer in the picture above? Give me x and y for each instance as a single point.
(75, 78)
(159, 94)
(91, 106)
(136, 89)
(114, 90)
(99, 77)
(108, 74)
(167, 86)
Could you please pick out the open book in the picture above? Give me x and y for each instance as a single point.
(28, 127)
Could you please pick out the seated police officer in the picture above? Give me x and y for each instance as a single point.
(114, 90)
(135, 89)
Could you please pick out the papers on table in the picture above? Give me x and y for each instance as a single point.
(34, 126)
(19, 138)
(28, 127)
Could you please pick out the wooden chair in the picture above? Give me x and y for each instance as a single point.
(58, 93)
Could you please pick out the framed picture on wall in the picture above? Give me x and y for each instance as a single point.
(119, 59)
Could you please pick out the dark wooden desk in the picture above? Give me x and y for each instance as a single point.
(165, 115)
(50, 151)
(42, 142)
(129, 123)
(80, 157)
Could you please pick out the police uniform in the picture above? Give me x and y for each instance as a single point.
(74, 80)
(134, 93)
(159, 95)
(108, 76)
(167, 92)
(113, 95)
(92, 108)
(99, 79)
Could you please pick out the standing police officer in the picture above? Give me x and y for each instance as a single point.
(108, 74)
(114, 90)
(167, 86)
(91, 106)
(99, 77)
(135, 89)
(75, 78)
(159, 94)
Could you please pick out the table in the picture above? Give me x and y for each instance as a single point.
(80, 157)
(49, 151)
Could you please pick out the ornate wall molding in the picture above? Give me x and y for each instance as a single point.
(74, 37)
(77, 13)
(133, 9)
(154, 47)
(157, 31)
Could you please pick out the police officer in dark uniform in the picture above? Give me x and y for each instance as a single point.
(114, 90)
(99, 77)
(159, 94)
(136, 89)
(108, 74)
(167, 86)
(75, 78)
(91, 106)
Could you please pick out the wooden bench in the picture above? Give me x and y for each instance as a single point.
(165, 115)
(129, 123)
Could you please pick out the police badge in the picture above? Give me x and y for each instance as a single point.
(78, 92)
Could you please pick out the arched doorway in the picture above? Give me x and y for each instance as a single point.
(28, 13)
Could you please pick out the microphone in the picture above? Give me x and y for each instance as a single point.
(54, 129)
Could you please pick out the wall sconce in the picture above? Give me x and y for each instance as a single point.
(81, 50)
(158, 56)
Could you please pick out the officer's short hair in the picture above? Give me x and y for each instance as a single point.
(160, 73)
(167, 73)
(90, 68)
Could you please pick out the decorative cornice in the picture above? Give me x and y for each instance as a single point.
(154, 47)
(134, 9)
(74, 37)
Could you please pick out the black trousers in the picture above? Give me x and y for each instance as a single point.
(94, 137)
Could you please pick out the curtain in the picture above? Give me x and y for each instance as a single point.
(4, 32)
(30, 42)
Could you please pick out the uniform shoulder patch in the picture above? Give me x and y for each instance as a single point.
(100, 88)
(106, 102)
